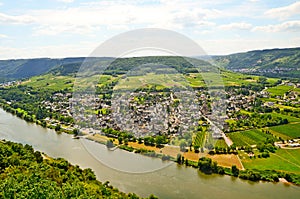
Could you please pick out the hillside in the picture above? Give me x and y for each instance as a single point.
(272, 63)
(25, 68)
(283, 63)
(26, 173)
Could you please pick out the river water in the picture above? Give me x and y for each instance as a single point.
(172, 181)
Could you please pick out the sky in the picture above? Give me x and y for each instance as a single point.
(71, 28)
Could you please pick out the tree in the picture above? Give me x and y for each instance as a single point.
(196, 148)
(235, 171)
(109, 144)
(126, 141)
(57, 127)
(76, 132)
(159, 140)
(120, 139)
(183, 145)
(178, 159)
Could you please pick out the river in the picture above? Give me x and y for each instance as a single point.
(172, 181)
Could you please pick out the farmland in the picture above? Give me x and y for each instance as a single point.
(199, 139)
(249, 137)
(283, 160)
(280, 90)
(287, 131)
(221, 143)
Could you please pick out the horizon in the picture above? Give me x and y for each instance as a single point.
(196, 56)
(74, 28)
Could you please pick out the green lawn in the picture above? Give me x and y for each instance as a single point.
(282, 160)
(249, 137)
(287, 131)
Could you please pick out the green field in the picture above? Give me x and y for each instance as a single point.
(221, 143)
(50, 82)
(282, 160)
(249, 137)
(289, 118)
(288, 131)
(199, 139)
(280, 90)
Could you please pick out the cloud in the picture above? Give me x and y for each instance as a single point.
(65, 1)
(288, 26)
(234, 26)
(3, 36)
(284, 12)
(18, 19)
(53, 51)
(89, 17)
(229, 46)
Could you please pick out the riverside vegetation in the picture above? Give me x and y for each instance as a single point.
(26, 173)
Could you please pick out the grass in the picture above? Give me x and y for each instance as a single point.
(279, 90)
(289, 118)
(50, 82)
(283, 160)
(288, 131)
(249, 137)
(221, 143)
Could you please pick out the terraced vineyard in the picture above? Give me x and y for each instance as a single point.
(249, 137)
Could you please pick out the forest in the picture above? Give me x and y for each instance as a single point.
(25, 173)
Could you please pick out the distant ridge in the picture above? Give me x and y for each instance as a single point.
(283, 63)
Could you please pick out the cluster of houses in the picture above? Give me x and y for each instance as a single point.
(141, 113)
(59, 102)
(145, 113)
(10, 83)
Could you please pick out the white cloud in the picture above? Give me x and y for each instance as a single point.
(288, 26)
(19, 19)
(239, 26)
(229, 46)
(53, 51)
(113, 15)
(65, 1)
(284, 12)
(3, 36)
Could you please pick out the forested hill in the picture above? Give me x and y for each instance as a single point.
(272, 62)
(25, 173)
(24, 68)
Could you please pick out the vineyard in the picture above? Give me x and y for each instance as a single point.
(288, 131)
(249, 137)
(199, 139)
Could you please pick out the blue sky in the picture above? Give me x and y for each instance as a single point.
(64, 28)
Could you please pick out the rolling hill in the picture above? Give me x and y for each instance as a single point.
(283, 63)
